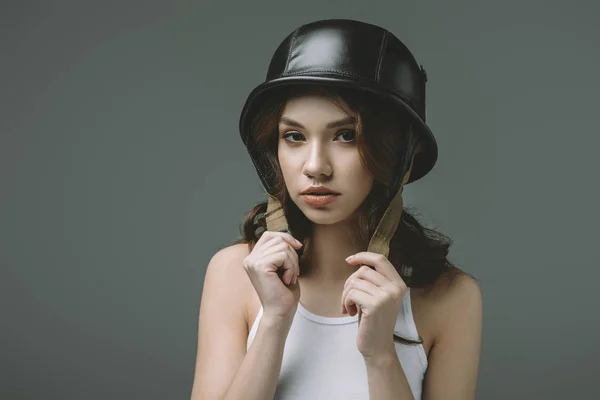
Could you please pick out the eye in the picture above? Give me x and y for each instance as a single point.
(350, 133)
(290, 134)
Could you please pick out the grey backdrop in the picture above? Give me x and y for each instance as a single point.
(122, 173)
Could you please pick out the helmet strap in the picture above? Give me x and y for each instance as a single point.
(275, 217)
(380, 241)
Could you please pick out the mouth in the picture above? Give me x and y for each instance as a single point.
(319, 199)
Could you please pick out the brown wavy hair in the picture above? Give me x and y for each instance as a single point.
(385, 143)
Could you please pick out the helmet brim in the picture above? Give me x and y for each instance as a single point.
(424, 160)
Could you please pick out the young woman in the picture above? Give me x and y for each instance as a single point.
(334, 290)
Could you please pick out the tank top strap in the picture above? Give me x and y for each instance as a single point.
(405, 323)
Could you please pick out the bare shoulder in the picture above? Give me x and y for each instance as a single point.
(222, 331)
(456, 295)
(451, 284)
(227, 264)
(456, 305)
(436, 304)
(234, 252)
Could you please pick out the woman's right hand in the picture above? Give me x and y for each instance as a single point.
(275, 254)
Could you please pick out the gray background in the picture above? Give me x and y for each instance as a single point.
(122, 173)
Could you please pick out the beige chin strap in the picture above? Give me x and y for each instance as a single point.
(275, 217)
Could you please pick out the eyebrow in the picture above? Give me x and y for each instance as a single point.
(333, 124)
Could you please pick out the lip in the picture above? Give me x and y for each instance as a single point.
(318, 189)
(319, 200)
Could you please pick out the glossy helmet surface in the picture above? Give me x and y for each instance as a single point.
(347, 53)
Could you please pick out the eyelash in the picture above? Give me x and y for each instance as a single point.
(287, 134)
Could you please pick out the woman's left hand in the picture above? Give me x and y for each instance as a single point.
(378, 293)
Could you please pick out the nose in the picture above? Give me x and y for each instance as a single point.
(317, 162)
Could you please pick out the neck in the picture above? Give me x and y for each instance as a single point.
(324, 259)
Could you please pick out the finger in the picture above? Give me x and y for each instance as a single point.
(276, 245)
(355, 299)
(293, 259)
(284, 246)
(360, 284)
(281, 260)
(368, 274)
(379, 262)
(273, 241)
(279, 245)
(365, 286)
(264, 237)
(295, 243)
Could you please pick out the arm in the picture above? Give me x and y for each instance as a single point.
(224, 370)
(454, 357)
(386, 379)
(259, 373)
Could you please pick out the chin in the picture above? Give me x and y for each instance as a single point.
(324, 216)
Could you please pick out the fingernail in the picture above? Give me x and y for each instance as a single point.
(349, 257)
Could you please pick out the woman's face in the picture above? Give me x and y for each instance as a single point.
(317, 147)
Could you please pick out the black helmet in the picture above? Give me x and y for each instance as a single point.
(354, 54)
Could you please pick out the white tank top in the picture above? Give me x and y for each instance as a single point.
(321, 361)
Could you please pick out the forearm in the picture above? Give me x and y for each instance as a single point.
(386, 378)
(257, 377)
